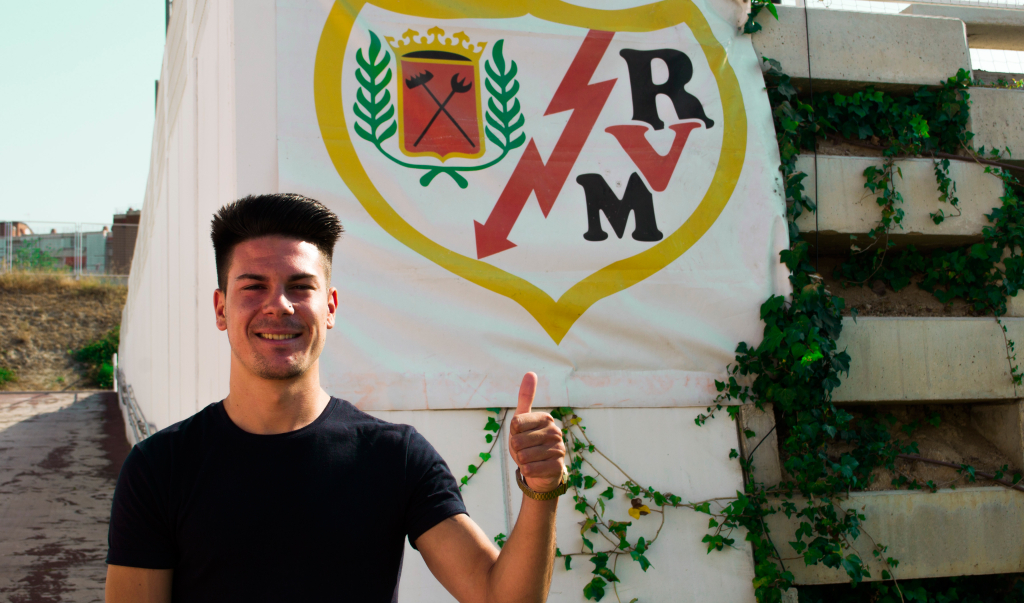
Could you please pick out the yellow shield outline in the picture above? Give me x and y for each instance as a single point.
(556, 317)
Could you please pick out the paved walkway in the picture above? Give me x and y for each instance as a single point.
(59, 458)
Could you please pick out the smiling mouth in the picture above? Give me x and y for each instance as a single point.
(274, 337)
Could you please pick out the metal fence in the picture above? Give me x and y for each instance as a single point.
(140, 428)
(73, 248)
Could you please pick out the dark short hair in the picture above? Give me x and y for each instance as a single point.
(286, 215)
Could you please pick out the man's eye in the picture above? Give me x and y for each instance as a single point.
(252, 287)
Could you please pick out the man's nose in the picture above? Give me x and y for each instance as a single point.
(278, 303)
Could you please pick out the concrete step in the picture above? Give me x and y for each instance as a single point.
(986, 27)
(846, 208)
(928, 360)
(849, 49)
(967, 531)
(996, 120)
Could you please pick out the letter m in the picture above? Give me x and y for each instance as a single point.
(636, 199)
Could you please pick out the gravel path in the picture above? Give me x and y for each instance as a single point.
(59, 458)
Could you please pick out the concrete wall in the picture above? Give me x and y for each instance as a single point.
(656, 446)
(846, 208)
(848, 48)
(207, 148)
(996, 120)
(913, 360)
(930, 360)
(960, 532)
(986, 27)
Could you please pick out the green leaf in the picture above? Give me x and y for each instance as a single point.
(388, 132)
(594, 590)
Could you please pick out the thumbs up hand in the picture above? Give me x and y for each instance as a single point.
(536, 441)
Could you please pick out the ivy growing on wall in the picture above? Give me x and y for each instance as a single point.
(825, 451)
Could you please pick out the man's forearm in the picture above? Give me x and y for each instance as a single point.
(522, 572)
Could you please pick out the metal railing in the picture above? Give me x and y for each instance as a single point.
(141, 429)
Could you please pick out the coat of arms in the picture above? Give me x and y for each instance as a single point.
(439, 101)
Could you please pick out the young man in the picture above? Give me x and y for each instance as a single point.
(281, 492)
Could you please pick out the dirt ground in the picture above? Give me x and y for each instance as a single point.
(875, 298)
(953, 440)
(43, 318)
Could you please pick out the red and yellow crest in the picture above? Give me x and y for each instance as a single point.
(439, 109)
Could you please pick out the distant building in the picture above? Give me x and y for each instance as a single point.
(58, 251)
(104, 251)
(17, 229)
(121, 244)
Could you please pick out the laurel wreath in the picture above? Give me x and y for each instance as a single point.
(374, 108)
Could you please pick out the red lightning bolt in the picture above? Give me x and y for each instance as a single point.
(531, 174)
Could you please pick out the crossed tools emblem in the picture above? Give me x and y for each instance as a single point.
(458, 87)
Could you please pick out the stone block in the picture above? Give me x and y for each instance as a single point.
(927, 360)
(967, 531)
(991, 78)
(849, 49)
(997, 120)
(986, 27)
(846, 208)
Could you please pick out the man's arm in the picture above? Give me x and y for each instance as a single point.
(138, 585)
(461, 556)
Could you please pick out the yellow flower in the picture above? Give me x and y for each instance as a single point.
(636, 512)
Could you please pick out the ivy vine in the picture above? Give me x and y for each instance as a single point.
(825, 451)
(797, 365)
(491, 430)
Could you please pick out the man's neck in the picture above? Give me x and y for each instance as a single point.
(272, 406)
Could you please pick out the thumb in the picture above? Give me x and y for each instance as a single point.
(527, 390)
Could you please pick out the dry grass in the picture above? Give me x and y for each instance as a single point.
(45, 318)
(86, 286)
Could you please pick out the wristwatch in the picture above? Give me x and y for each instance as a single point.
(563, 486)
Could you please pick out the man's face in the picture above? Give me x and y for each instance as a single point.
(276, 307)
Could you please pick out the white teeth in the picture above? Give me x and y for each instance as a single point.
(277, 337)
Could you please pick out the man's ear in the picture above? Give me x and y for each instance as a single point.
(332, 307)
(219, 299)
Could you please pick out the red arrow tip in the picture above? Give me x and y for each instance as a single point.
(490, 240)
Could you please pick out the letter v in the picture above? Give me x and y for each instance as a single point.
(656, 168)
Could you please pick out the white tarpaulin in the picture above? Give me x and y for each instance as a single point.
(589, 194)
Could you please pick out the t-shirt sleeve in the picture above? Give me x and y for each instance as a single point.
(433, 493)
(140, 534)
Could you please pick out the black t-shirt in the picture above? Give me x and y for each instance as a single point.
(317, 514)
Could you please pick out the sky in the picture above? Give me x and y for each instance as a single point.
(76, 107)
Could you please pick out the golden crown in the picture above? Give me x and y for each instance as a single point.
(435, 39)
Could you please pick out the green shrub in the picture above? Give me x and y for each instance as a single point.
(105, 376)
(99, 355)
(7, 375)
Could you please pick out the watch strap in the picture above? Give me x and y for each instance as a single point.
(562, 488)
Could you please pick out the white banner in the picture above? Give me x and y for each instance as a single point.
(589, 194)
